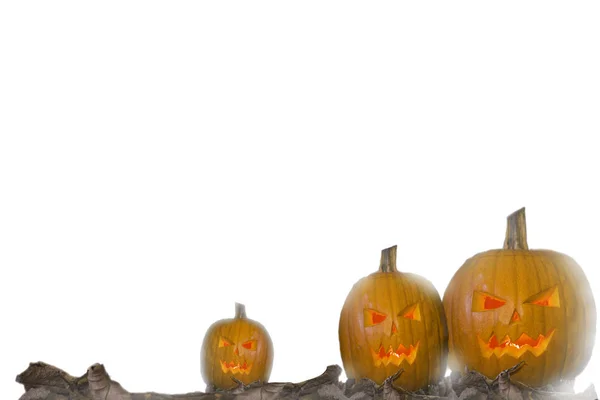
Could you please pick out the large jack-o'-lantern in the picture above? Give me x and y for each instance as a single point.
(239, 348)
(515, 304)
(394, 320)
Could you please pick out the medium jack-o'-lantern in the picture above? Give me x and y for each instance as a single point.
(394, 320)
(239, 348)
(515, 304)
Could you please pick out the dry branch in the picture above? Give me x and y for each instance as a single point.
(46, 382)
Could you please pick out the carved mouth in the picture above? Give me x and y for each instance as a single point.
(236, 367)
(515, 348)
(390, 356)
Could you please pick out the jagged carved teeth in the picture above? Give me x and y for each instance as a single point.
(383, 356)
(517, 347)
(236, 367)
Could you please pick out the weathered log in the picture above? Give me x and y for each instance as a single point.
(46, 382)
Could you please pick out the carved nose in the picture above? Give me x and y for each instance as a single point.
(236, 351)
(394, 329)
(515, 317)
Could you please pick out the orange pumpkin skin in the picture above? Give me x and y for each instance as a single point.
(394, 320)
(515, 304)
(239, 348)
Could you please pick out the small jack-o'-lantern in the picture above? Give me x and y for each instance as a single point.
(238, 347)
(394, 320)
(515, 304)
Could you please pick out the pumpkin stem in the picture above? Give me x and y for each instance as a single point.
(516, 231)
(388, 260)
(240, 310)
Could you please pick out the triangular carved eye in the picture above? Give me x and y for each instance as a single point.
(224, 342)
(411, 312)
(249, 345)
(484, 302)
(545, 298)
(373, 317)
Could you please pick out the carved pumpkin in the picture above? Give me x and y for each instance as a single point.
(515, 304)
(239, 348)
(394, 320)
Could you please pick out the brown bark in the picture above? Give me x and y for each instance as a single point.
(46, 382)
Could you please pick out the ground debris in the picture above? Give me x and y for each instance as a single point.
(45, 382)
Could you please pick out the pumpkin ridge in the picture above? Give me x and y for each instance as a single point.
(562, 295)
(498, 269)
(426, 321)
(433, 370)
(540, 287)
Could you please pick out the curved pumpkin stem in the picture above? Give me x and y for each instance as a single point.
(240, 310)
(516, 231)
(388, 260)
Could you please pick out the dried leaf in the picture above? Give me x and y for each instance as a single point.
(505, 387)
(102, 387)
(451, 395)
(363, 386)
(42, 374)
(473, 379)
(472, 394)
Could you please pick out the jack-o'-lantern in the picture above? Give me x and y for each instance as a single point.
(239, 348)
(394, 320)
(515, 304)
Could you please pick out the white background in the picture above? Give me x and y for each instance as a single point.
(160, 161)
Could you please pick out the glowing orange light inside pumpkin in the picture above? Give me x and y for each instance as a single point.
(373, 317)
(385, 356)
(378, 318)
(412, 312)
(546, 298)
(243, 368)
(515, 317)
(224, 342)
(490, 303)
(250, 345)
(484, 301)
(515, 348)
